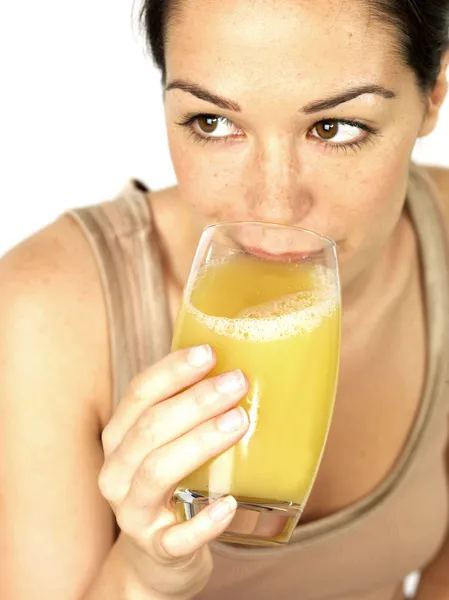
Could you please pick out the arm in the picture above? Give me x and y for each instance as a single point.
(57, 533)
(56, 530)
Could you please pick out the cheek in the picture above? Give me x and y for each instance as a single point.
(209, 180)
(374, 200)
(373, 213)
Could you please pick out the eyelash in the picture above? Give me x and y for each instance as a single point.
(189, 121)
(355, 145)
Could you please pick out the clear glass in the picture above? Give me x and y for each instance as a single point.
(266, 297)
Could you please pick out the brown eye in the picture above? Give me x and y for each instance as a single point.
(207, 124)
(342, 133)
(327, 130)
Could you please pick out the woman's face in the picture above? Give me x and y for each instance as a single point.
(297, 112)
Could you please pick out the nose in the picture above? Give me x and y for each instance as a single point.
(274, 188)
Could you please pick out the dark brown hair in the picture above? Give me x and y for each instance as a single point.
(422, 27)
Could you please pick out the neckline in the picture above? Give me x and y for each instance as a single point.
(422, 202)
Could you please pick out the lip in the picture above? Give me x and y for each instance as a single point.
(282, 256)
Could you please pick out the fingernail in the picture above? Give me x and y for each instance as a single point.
(232, 420)
(199, 356)
(223, 508)
(230, 383)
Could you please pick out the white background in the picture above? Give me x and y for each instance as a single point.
(81, 111)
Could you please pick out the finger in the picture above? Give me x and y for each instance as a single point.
(169, 420)
(186, 538)
(164, 468)
(171, 375)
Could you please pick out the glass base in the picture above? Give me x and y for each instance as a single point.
(257, 522)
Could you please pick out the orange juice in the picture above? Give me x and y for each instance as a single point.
(280, 324)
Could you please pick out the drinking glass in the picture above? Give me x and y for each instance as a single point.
(266, 297)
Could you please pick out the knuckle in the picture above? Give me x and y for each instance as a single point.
(180, 356)
(136, 388)
(204, 393)
(105, 484)
(152, 467)
(128, 521)
(206, 440)
(179, 364)
(176, 366)
(164, 555)
(149, 430)
(198, 395)
(111, 487)
(108, 439)
(144, 426)
(193, 454)
(154, 470)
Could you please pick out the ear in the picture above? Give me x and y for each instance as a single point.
(436, 98)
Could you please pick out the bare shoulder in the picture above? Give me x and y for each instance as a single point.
(52, 257)
(50, 283)
(53, 402)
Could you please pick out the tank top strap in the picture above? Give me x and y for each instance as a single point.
(431, 221)
(126, 247)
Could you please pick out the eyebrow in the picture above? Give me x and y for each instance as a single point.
(203, 94)
(351, 94)
(313, 107)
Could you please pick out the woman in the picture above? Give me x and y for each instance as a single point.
(303, 113)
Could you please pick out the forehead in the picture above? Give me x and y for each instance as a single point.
(272, 42)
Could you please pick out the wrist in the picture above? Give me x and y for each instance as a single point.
(143, 579)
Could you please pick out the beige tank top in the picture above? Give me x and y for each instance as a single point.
(364, 551)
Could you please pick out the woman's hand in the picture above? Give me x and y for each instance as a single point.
(170, 423)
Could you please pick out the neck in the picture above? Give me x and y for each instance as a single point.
(383, 285)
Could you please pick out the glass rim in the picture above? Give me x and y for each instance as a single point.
(332, 243)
